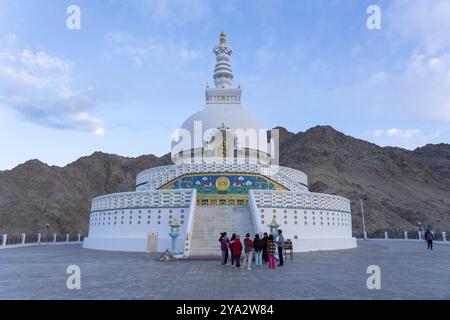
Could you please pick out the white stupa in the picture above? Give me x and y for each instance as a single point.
(225, 177)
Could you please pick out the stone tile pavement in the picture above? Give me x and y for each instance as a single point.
(408, 271)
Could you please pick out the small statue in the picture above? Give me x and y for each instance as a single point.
(223, 38)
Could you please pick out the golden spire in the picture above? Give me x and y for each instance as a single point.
(223, 38)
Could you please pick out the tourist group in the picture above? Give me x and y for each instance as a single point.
(262, 249)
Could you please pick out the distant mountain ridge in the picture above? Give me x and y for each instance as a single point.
(436, 156)
(402, 186)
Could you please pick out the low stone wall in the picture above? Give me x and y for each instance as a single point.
(24, 240)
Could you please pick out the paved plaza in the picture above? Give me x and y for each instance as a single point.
(408, 271)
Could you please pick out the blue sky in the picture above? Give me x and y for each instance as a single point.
(136, 69)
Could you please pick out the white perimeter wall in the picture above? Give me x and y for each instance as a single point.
(126, 229)
(312, 221)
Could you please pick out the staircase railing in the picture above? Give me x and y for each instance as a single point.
(254, 210)
(190, 223)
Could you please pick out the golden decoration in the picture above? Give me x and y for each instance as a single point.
(223, 184)
(223, 37)
(222, 148)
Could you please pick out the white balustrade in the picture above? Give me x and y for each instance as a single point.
(154, 178)
(306, 200)
(178, 198)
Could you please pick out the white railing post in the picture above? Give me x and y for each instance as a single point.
(190, 223)
(4, 238)
(386, 235)
(420, 235)
(444, 236)
(54, 238)
(406, 235)
(67, 237)
(39, 238)
(79, 237)
(24, 237)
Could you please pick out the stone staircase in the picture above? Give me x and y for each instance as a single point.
(210, 221)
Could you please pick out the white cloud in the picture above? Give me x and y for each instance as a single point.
(377, 133)
(38, 86)
(399, 133)
(150, 50)
(420, 89)
(419, 86)
(41, 60)
(406, 138)
(426, 23)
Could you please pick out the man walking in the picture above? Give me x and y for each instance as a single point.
(280, 244)
(429, 237)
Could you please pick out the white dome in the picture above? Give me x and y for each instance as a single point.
(200, 131)
(213, 117)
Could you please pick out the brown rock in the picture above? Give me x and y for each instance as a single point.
(402, 186)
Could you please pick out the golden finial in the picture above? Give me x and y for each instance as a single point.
(273, 224)
(223, 38)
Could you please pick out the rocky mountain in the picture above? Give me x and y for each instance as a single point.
(402, 187)
(436, 156)
(34, 194)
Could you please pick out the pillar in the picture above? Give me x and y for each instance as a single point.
(444, 236)
(420, 235)
(54, 238)
(39, 238)
(365, 235)
(4, 238)
(406, 235)
(79, 237)
(67, 237)
(386, 235)
(24, 237)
